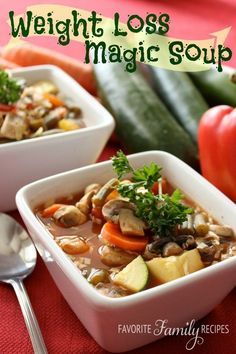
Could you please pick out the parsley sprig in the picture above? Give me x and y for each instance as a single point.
(144, 176)
(160, 212)
(10, 90)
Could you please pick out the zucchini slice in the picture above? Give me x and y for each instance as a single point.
(134, 276)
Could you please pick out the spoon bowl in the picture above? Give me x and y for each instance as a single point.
(17, 252)
(17, 260)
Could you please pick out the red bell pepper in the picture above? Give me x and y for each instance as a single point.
(217, 148)
(4, 108)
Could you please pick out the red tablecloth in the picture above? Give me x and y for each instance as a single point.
(62, 331)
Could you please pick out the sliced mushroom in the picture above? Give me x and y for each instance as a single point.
(13, 127)
(53, 117)
(187, 242)
(92, 187)
(207, 252)
(100, 196)
(85, 203)
(200, 224)
(76, 111)
(69, 216)
(212, 236)
(221, 230)
(157, 245)
(233, 251)
(111, 209)
(130, 224)
(115, 257)
(171, 249)
(217, 256)
(148, 255)
(154, 249)
(36, 123)
(225, 246)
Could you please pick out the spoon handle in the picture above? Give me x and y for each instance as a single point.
(29, 316)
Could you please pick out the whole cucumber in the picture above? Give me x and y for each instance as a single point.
(142, 120)
(217, 88)
(181, 97)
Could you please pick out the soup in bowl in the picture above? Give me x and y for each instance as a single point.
(103, 294)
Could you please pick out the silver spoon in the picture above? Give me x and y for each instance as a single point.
(17, 260)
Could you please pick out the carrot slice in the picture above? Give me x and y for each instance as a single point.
(112, 234)
(54, 100)
(113, 195)
(48, 212)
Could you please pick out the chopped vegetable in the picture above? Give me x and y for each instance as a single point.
(73, 245)
(113, 195)
(68, 124)
(69, 216)
(46, 87)
(104, 191)
(54, 100)
(134, 276)
(48, 212)
(111, 209)
(145, 176)
(10, 90)
(161, 212)
(97, 213)
(121, 164)
(38, 110)
(111, 234)
(174, 267)
(157, 186)
(130, 224)
(115, 257)
(132, 230)
(200, 225)
(13, 127)
(6, 108)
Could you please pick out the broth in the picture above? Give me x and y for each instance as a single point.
(101, 273)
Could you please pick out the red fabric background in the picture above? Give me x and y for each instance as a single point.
(62, 331)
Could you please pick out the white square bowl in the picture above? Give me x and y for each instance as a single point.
(28, 160)
(185, 299)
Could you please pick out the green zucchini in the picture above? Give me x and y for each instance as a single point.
(142, 120)
(181, 97)
(134, 276)
(216, 87)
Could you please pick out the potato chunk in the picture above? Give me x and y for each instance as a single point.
(174, 267)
